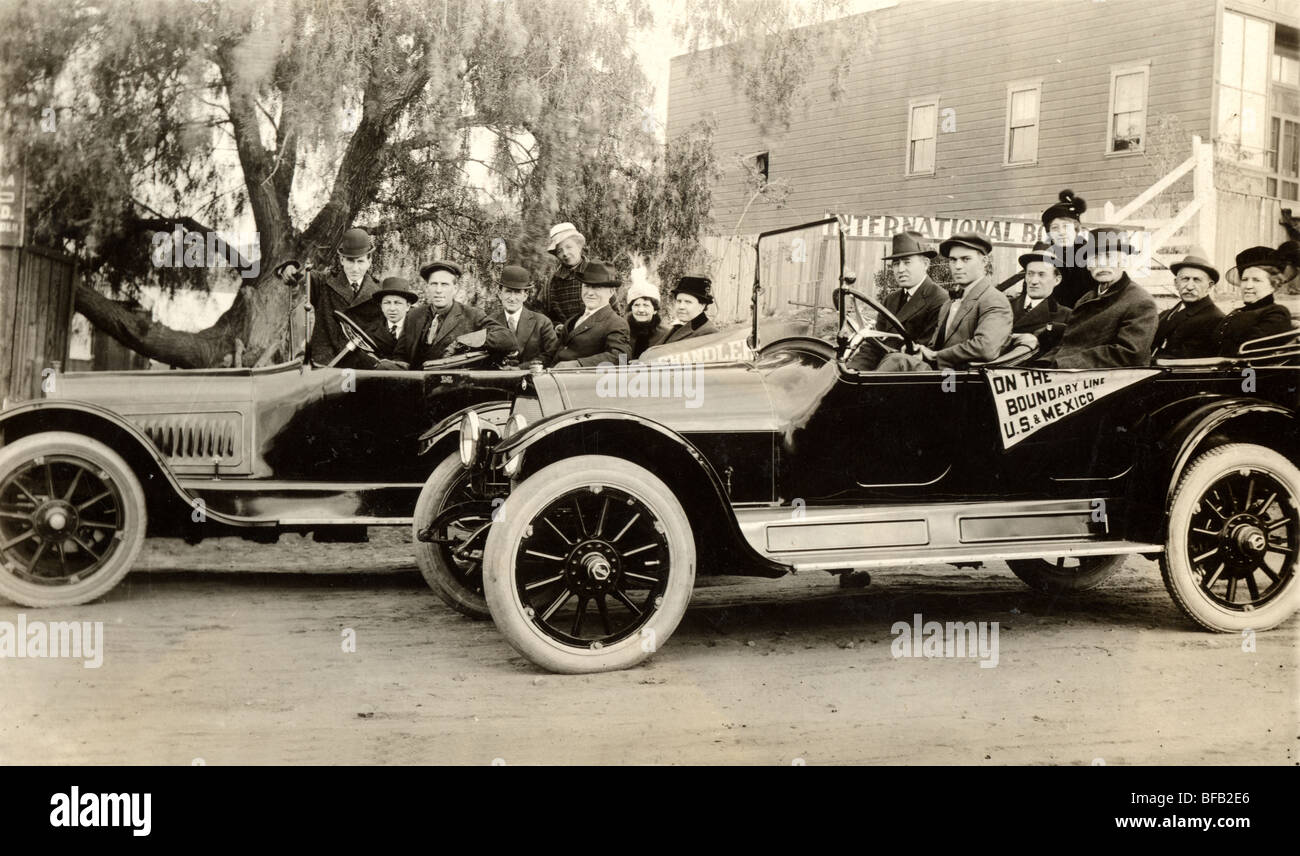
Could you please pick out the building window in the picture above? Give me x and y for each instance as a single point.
(1128, 109)
(1284, 159)
(1243, 89)
(1022, 122)
(922, 129)
(1286, 56)
(760, 165)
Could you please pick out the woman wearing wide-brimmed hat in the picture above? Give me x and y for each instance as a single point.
(1258, 273)
(647, 329)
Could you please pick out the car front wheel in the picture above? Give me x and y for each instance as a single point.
(72, 519)
(452, 562)
(590, 565)
(1234, 539)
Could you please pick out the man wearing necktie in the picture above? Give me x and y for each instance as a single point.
(443, 326)
(599, 334)
(975, 326)
(395, 299)
(1186, 329)
(916, 303)
(1035, 310)
(348, 289)
(535, 338)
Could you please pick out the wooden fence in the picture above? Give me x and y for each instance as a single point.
(36, 306)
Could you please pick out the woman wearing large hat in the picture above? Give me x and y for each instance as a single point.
(1064, 225)
(690, 296)
(647, 329)
(1258, 273)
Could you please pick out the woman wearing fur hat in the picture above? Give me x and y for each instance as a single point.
(643, 321)
(1258, 272)
(690, 296)
(1064, 225)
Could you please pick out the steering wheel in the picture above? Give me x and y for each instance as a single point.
(861, 332)
(357, 337)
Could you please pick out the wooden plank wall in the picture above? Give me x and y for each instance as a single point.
(36, 304)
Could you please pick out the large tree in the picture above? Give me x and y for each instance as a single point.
(460, 126)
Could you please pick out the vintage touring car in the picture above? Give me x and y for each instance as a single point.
(106, 458)
(621, 484)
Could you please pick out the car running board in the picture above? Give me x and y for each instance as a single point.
(839, 537)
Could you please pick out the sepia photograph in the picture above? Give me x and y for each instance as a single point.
(641, 382)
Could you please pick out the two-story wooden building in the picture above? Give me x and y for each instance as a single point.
(987, 108)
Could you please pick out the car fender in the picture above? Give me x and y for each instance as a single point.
(585, 421)
(94, 421)
(1187, 435)
(492, 412)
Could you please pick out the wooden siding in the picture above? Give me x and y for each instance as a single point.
(849, 156)
(36, 305)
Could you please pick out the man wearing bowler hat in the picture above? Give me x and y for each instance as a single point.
(534, 333)
(976, 323)
(443, 326)
(562, 298)
(345, 289)
(598, 334)
(1186, 330)
(690, 296)
(1036, 310)
(395, 299)
(916, 302)
(1113, 325)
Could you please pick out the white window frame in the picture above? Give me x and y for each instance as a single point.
(1116, 72)
(1012, 88)
(929, 101)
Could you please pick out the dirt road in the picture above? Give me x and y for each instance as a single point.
(251, 668)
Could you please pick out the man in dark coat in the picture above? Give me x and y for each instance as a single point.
(690, 296)
(1035, 310)
(975, 325)
(395, 299)
(916, 302)
(443, 326)
(562, 297)
(599, 334)
(1258, 273)
(1186, 330)
(535, 338)
(1114, 324)
(348, 289)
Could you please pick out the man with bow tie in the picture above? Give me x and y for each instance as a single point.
(534, 333)
(1035, 310)
(345, 289)
(443, 326)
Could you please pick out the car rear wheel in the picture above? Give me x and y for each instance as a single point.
(1066, 574)
(452, 563)
(72, 519)
(1233, 545)
(590, 566)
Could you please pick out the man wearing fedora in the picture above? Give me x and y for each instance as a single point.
(1186, 330)
(1035, 310)
(974, 326)
(562, 298)
(443, 326)
(395, 299)
(535, 339)
(599, 334)
(348, 289)
(690, 296)
(916, 302)
(1114, 324)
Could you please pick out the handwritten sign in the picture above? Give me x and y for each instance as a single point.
(11, 202)
(1029, 400)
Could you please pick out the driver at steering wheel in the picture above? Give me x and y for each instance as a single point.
(974, 326)
(443, 326)
(917, 302)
